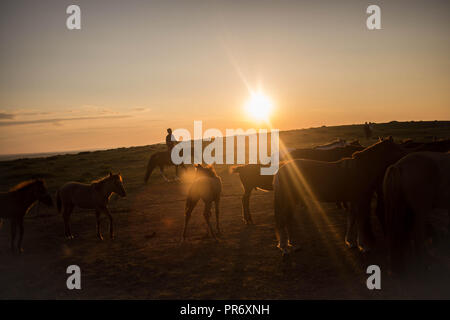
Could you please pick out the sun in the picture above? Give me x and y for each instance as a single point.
(259, 106)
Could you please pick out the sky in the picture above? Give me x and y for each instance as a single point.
(138, 67)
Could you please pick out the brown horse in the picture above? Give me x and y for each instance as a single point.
(251, 177)
(414, 187)
(18, 201)
(208, 187)
(350, 179)
(408, 146)
(160, 159)
(89, 196)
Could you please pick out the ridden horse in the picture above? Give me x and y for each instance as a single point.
(208, 187)
(18, 201)
(89, 196)
(251, 178)
(350, 179)
(413, 188)
(160, 159)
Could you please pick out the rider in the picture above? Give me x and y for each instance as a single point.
(170, 140)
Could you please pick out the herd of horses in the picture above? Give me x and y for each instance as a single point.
(409, 181)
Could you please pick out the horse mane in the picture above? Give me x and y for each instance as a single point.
(23, 185)
(99, 180)
(367, 152)
(103, 179)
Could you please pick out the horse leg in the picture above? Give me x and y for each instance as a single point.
(350, 235)
(21, 229)
(13, 232)
(148, 172)
(161, 170)
(364, 228)
(290, 225)
(207, 215)
(419, 234)
(246, 206)
(380, 209)
(67, 211)
(217, 203)
(190, 205)
(111, 230)
(280, 228)
(99, 232)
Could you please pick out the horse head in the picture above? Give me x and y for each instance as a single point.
(117, 184)
(41, 192)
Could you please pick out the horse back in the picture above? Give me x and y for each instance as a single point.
(426, 179)
(324, 181)
(77, 194)
(251, 177)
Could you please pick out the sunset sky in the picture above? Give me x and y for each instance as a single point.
(138, 67)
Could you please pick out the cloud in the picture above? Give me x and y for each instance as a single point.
(140, 109)
(57, 121)
(6, 115)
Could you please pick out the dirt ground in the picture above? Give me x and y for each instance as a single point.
(244, 264)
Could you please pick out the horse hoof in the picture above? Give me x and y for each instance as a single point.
(363, 249)
(292, 248)
(349, 244)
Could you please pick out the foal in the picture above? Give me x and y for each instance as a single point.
(16, 203)
(89, 196)
(208, 187)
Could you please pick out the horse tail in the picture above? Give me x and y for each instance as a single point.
(58, 201)
(150, 166)
(395, 216)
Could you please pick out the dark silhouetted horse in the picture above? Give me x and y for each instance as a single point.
(161, 160)
(350, 179)
(89, 196)
(16, 203)
(414, 187)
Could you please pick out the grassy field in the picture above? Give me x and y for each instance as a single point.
(244, 264)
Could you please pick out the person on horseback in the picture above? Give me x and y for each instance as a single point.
(170, 140)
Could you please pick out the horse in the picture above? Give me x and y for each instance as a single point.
(160, 159)
(208, 187)
(349, 179)
(18, 201)
(408, 146)
(414, 187)
(251, 178)
(89, 196)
